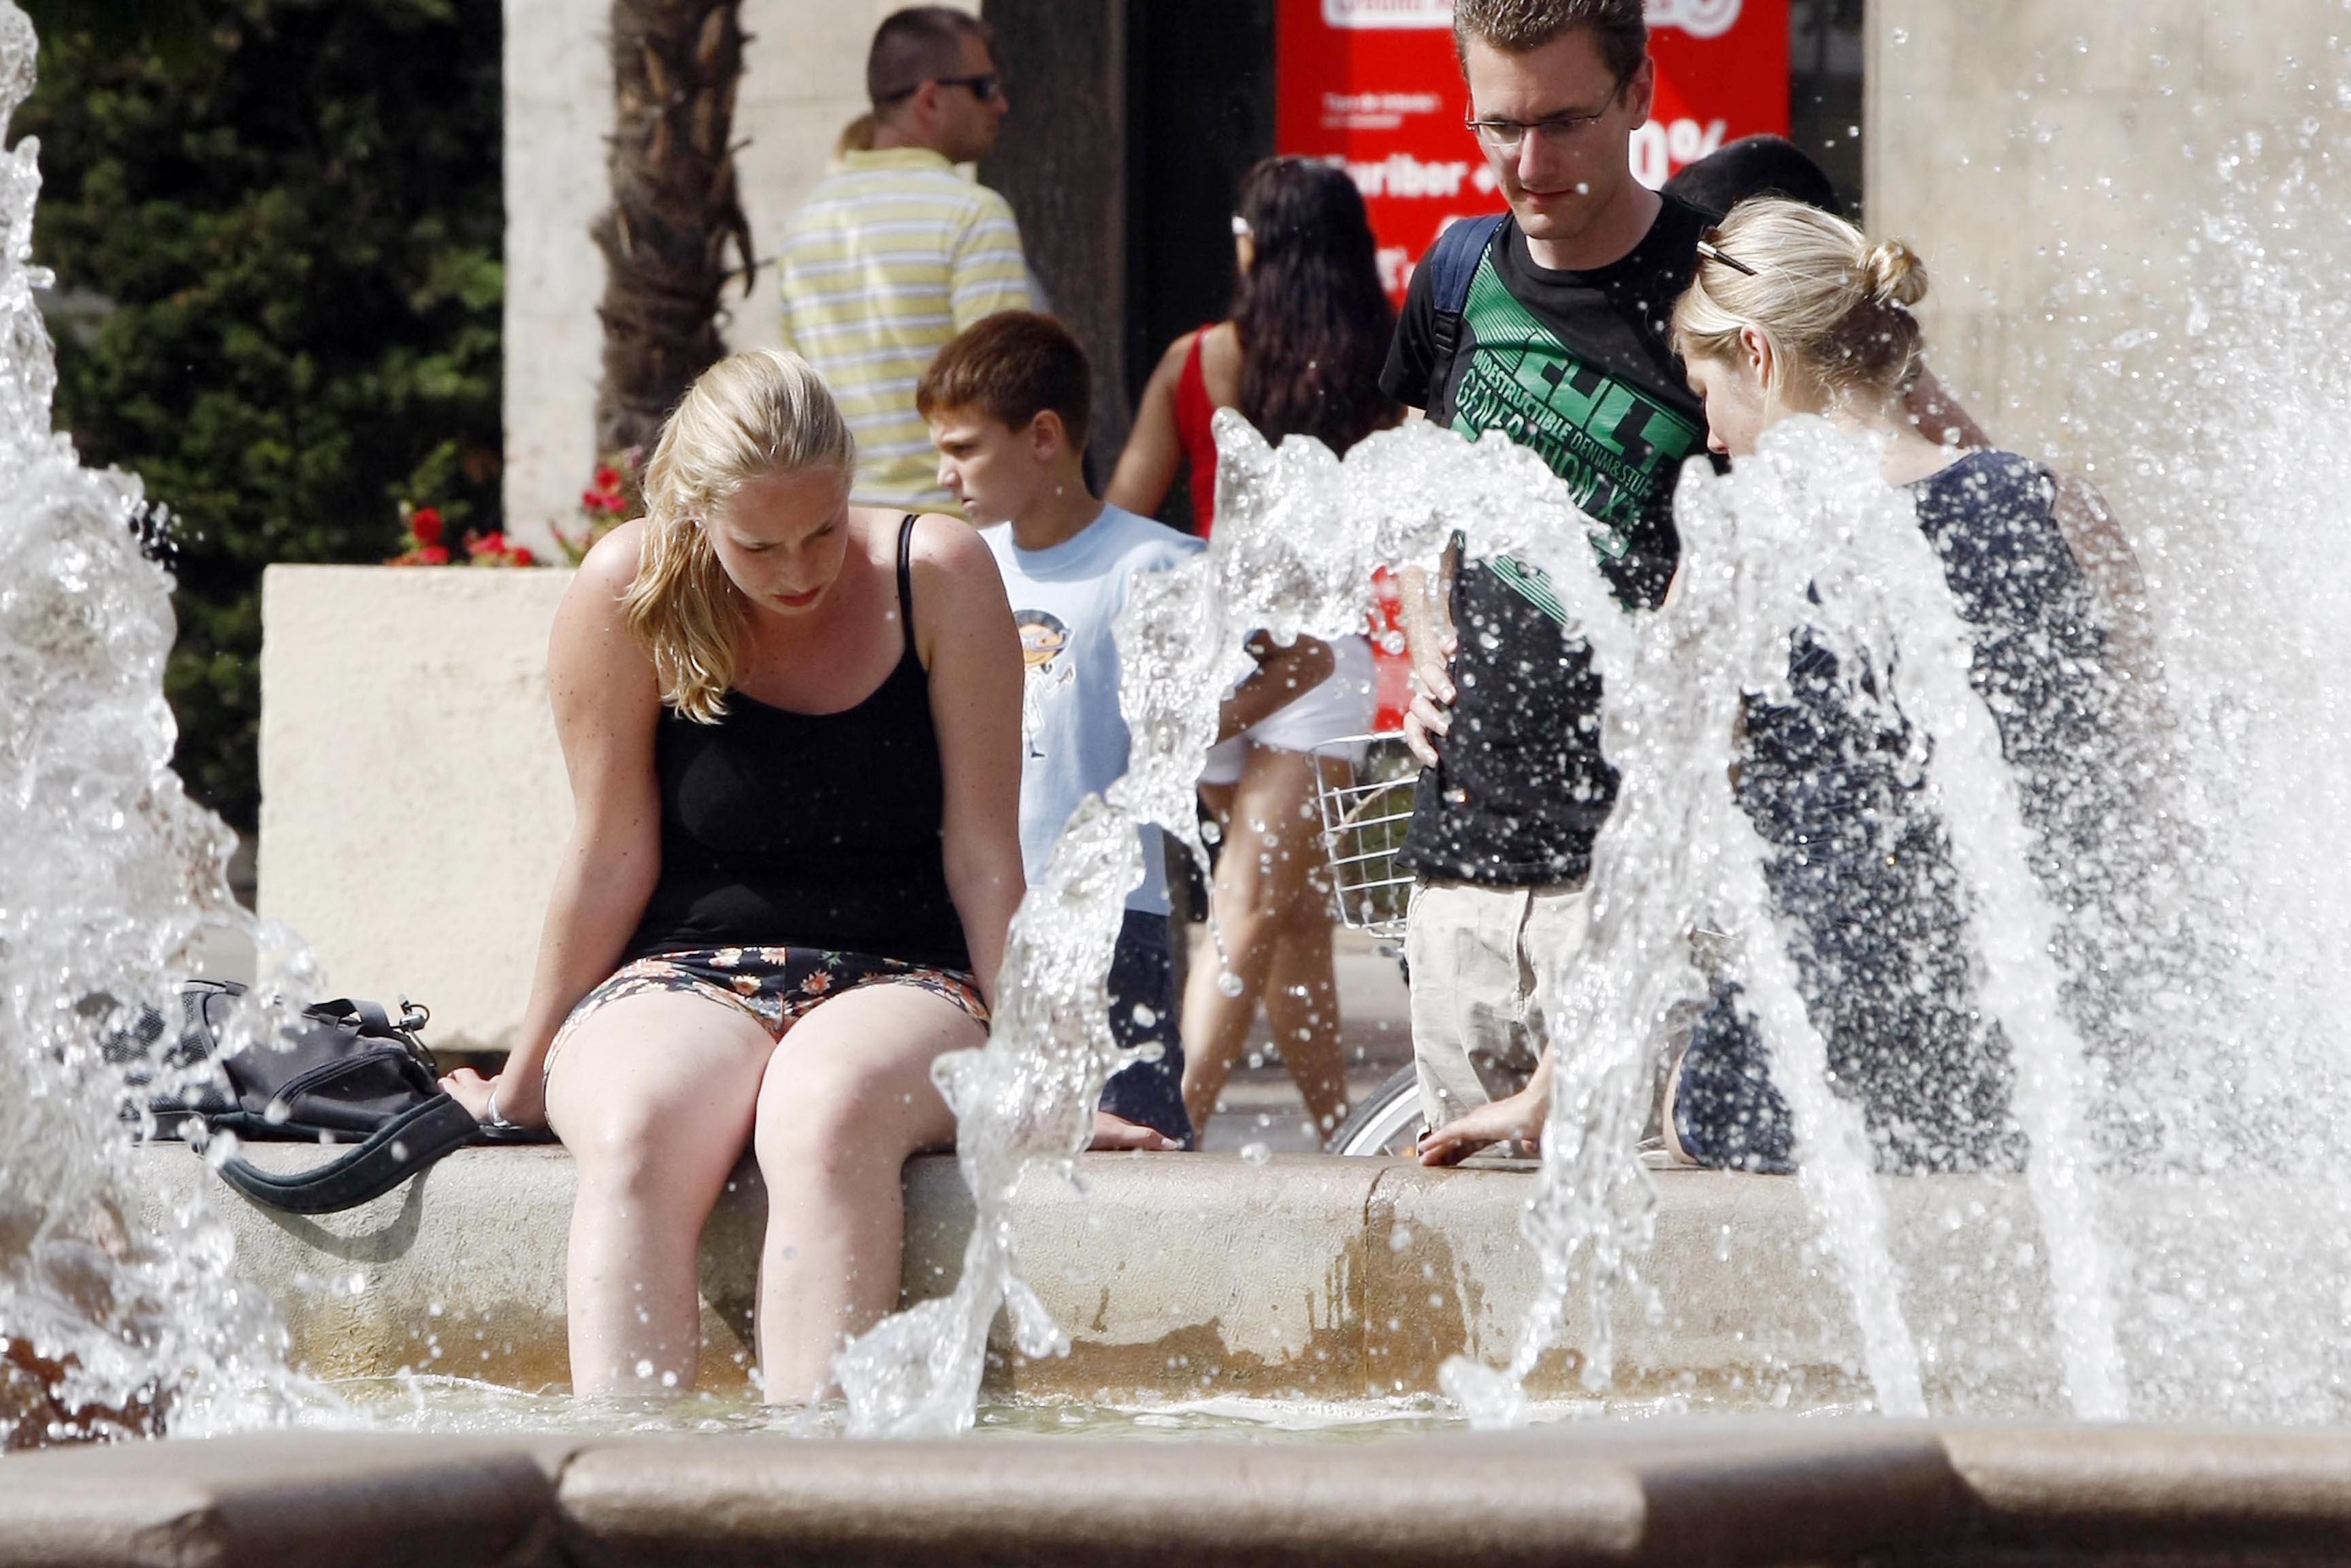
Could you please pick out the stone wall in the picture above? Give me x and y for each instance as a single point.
(2056, 161)
(803, 80)
(1197, 1276)
(1596, 1494)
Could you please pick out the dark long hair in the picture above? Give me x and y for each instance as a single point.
(1314, 321)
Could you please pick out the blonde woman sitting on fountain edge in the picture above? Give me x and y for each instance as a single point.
(793, 732)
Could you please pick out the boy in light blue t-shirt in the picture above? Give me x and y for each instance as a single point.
(1007, 403)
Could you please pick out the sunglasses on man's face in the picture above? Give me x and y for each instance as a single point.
(987, 89)
(984, 88)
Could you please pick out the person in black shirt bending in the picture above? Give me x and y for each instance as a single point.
(1560, 340)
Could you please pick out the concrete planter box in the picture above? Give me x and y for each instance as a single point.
(412, 797)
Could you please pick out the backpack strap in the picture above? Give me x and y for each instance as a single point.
(1452, 264)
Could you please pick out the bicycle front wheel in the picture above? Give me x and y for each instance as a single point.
(1387, 1122)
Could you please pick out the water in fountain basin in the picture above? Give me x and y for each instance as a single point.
(2217, 1291)
(1803, 534)
(1298, 534)
(2232, 423)
(109, 881)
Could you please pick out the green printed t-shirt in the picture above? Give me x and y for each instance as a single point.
(1577, 367)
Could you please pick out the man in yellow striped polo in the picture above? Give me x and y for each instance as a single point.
(895, 253)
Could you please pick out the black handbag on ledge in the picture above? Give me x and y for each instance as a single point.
(347, 1072)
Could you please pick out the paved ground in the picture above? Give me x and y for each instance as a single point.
(1261, 1104)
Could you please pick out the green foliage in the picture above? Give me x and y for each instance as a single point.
(276, 227)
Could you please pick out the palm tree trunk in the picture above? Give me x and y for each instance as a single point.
(676, 66)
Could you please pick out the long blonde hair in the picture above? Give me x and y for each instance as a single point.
(1834, 308)
(751, 415)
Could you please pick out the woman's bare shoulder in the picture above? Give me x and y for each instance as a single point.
(590, 626)
(610, 563)
(944, 542)
(1171, 363)
(1220, 361)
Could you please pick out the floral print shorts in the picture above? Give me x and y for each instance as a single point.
(777, 986)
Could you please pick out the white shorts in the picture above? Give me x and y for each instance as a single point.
(1341, 706)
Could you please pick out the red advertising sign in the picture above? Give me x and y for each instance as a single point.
(1373, 84)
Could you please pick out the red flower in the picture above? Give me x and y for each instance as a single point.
(520, 555)
(424, 525)
(608, 479)
(433, 555)
(488, 544)
(593, 500)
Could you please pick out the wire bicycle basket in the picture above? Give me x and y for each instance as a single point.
(1364, 823)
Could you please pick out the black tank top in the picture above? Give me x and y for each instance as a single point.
(782, 828)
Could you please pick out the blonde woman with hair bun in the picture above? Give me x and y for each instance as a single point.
(792, 731)
(1792, 311)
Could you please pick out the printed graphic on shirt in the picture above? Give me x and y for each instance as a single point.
(1616, 446)
(1044, 643)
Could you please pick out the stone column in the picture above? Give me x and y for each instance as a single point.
(1062, 166)
(559, 112)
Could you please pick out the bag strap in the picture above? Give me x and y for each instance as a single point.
(407, 1146)
(372, 1021)
(1452, 264)
(372, 1016)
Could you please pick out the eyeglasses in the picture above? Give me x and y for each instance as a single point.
(1505, 136)
(987, 89)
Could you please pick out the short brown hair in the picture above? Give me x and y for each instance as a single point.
(1012, 367)
(919, 44)
(1518, 26)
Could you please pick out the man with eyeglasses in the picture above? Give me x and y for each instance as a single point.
(894, 253)
(1557, 338)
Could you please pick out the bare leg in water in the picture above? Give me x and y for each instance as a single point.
(848, 1098)
(654, 1095)
(657, 1097)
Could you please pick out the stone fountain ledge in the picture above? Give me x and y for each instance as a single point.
(1673, 1493)
(1179, 1276)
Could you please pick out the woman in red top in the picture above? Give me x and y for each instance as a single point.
(1300, 355)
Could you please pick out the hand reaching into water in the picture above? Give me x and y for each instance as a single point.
(1430, 716)
(1518, 1119)
(474, 1092)
(1115, 1132)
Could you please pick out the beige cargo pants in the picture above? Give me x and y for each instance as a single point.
(1476, 953)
